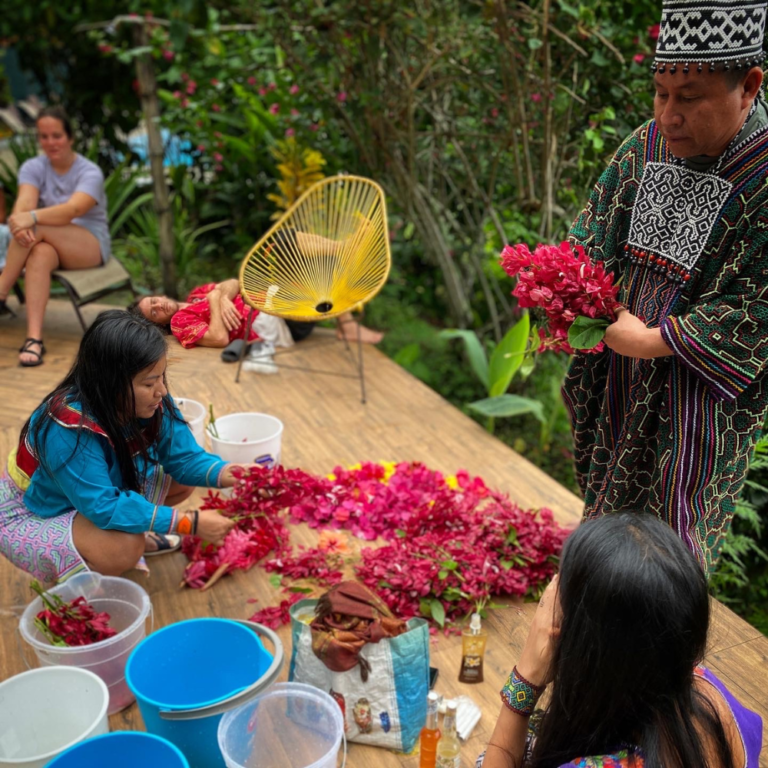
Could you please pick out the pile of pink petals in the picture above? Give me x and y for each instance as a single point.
(447, 539)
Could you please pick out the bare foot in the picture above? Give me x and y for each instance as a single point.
(347, 329)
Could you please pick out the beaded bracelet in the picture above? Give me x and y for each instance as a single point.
(520, 695)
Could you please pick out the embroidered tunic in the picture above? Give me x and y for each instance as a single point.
(83, 474)
(673, 435)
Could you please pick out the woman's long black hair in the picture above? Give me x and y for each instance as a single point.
(634, 625)
(116, 348)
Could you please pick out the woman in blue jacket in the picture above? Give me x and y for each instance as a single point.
(105, 459)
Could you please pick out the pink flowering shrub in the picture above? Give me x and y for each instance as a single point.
(563, 283)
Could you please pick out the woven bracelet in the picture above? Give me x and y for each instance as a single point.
(520, 695)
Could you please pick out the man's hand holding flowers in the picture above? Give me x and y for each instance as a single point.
(631, 337)
(579, 302)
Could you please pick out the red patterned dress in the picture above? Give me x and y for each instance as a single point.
(190, 324)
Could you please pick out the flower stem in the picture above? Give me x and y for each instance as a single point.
(212, 421)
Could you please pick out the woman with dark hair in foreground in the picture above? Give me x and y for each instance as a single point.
(104, 460)
(617, 637)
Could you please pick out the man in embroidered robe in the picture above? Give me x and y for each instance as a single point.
(666, 419)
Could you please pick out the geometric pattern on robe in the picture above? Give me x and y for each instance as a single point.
(673, 435)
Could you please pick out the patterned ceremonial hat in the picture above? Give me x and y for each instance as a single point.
(713, 33)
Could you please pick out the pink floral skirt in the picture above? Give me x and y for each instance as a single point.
(41, 546)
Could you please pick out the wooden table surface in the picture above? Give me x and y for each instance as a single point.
(326, 425)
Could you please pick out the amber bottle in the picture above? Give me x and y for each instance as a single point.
(473, 640)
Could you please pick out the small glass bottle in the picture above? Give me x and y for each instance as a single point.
(473, 640)
(430, 734)
(449, 746)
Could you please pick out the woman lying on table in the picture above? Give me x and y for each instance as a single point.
(619, 635)
(105, 459)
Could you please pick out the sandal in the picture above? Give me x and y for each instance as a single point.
(5, 310)
(165, 542)
(27, 347)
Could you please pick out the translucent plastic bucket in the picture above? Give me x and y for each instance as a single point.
(128, 606)
(194, 414)
(186, 675)
(45, 711)
(248, 438)
(292, 725)
(122, 749)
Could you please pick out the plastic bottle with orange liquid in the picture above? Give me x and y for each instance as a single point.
(430, 734)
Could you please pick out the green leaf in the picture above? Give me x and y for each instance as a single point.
(425, 607)
(178, 32)
(504, 406)
(569, 9)
(275, 580)
(400, 533)
(506, 564)
(508, 356)
(534, 43)
(512, 535)
(301, 590)
(437, 611)
(475, 352)
(408, 355)
(450, 565)
(587, 332)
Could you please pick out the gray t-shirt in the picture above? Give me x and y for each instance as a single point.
(55, 189)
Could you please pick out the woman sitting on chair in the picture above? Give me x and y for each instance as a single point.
(59, 221)
(619, 637)
(104, 461)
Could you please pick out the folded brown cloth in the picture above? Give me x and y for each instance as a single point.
(347, 617)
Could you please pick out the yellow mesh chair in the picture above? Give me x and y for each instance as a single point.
(327, 255)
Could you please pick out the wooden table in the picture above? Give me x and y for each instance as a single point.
(325, 425)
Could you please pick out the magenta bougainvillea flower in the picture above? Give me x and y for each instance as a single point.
(71, 623)
(450, 542)
(563, 283)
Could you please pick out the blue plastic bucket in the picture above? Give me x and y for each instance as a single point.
(187, 675)
(121, 750)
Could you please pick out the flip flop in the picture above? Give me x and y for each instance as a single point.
(166, 542)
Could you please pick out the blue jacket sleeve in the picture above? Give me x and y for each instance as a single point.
(183, 459)
(83, 477)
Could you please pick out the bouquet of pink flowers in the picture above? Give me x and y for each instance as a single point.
(577, 297)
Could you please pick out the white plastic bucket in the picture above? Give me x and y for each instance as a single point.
(292, 725)
(128, 606)
(194, 414)
(45, 711)
(248, 438)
